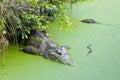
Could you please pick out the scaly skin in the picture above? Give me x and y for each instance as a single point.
(47, 48)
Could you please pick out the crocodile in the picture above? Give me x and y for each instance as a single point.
(40, 44)
(90, 21)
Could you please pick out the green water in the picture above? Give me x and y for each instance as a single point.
(102, 64)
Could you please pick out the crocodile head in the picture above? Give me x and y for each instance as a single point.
(63, 52)
(62, 55)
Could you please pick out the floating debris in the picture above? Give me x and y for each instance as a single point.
(90, 49)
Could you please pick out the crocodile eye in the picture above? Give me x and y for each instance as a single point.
(59, 52)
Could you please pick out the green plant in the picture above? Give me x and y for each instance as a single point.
(19, 18)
